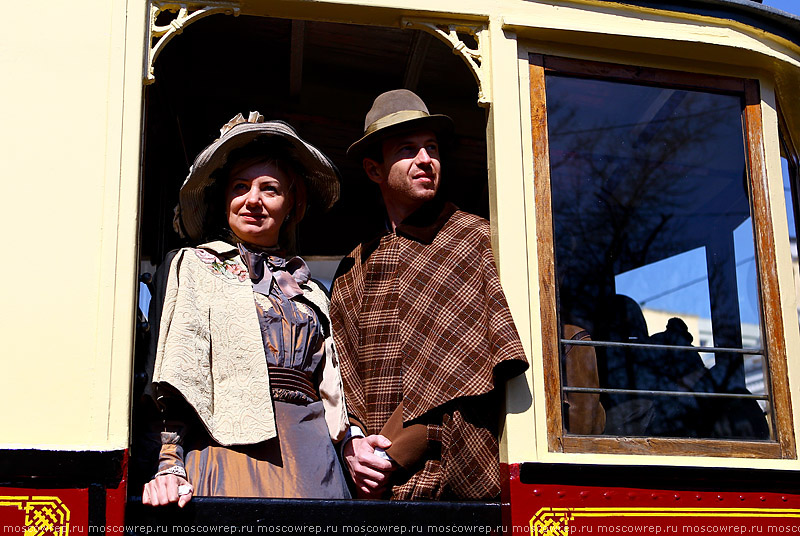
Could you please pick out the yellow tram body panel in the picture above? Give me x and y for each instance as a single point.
(72, 155)
(71, 112)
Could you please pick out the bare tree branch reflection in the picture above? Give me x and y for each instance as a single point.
(640, 174)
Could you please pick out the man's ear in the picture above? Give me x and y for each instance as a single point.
(374, 170)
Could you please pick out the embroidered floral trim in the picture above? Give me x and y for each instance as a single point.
(227, 268)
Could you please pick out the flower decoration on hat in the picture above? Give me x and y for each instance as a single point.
(254, 117)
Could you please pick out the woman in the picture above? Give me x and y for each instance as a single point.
(245, 373)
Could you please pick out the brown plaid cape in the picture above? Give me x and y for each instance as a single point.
(420, 319)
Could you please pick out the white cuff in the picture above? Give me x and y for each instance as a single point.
(380, 453)
(352, 432)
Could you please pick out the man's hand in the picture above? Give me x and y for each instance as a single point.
(369, 471)
(163, 490)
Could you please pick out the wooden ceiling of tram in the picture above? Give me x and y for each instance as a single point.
(319, 77)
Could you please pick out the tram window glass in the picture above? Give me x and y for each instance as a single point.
(655, 262)
(790, 177)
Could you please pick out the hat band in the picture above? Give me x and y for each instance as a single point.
(393, 119)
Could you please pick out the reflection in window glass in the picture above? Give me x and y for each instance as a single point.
(787, 192)
(790, 217)
(655, 257)
(678, 284)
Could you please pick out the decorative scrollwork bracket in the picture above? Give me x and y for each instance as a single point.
(474, 57)
(185, 13)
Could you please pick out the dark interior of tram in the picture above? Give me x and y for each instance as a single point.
(319, 77)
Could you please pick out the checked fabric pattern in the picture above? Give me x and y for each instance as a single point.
(420, 317)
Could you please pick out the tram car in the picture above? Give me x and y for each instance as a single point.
(638, 162)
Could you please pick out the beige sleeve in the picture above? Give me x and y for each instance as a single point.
(331, 392)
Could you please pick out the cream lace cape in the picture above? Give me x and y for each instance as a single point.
(209, 311)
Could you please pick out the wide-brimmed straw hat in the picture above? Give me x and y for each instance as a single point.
(395, 112)
(320, 174)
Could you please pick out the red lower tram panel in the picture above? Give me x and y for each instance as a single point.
(61, 492)
(559, 500)
(56, 493)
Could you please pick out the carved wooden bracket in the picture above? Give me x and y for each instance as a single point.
(158, 35)
(449, 33)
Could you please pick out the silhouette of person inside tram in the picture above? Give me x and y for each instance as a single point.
(659, 371)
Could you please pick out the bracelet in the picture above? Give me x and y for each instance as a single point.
(176, 470)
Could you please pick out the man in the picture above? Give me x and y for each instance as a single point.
(423, 331)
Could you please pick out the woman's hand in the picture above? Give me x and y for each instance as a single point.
(370, 472)
(163, 490)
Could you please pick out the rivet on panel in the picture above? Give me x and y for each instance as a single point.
(537, 492)
(677, 497)
(560, 494)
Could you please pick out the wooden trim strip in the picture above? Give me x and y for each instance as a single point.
(770, 294)
(546, 255)
(630, 73)
(662, 446)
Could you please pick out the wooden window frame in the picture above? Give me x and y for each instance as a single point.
(783, 447)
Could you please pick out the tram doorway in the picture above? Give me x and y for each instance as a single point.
(321, 78)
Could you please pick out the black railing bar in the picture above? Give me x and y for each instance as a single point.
(597, 390)
(753, 351)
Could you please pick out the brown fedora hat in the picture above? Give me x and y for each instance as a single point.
(397, 111)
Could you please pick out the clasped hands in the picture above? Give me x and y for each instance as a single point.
(370, 472)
